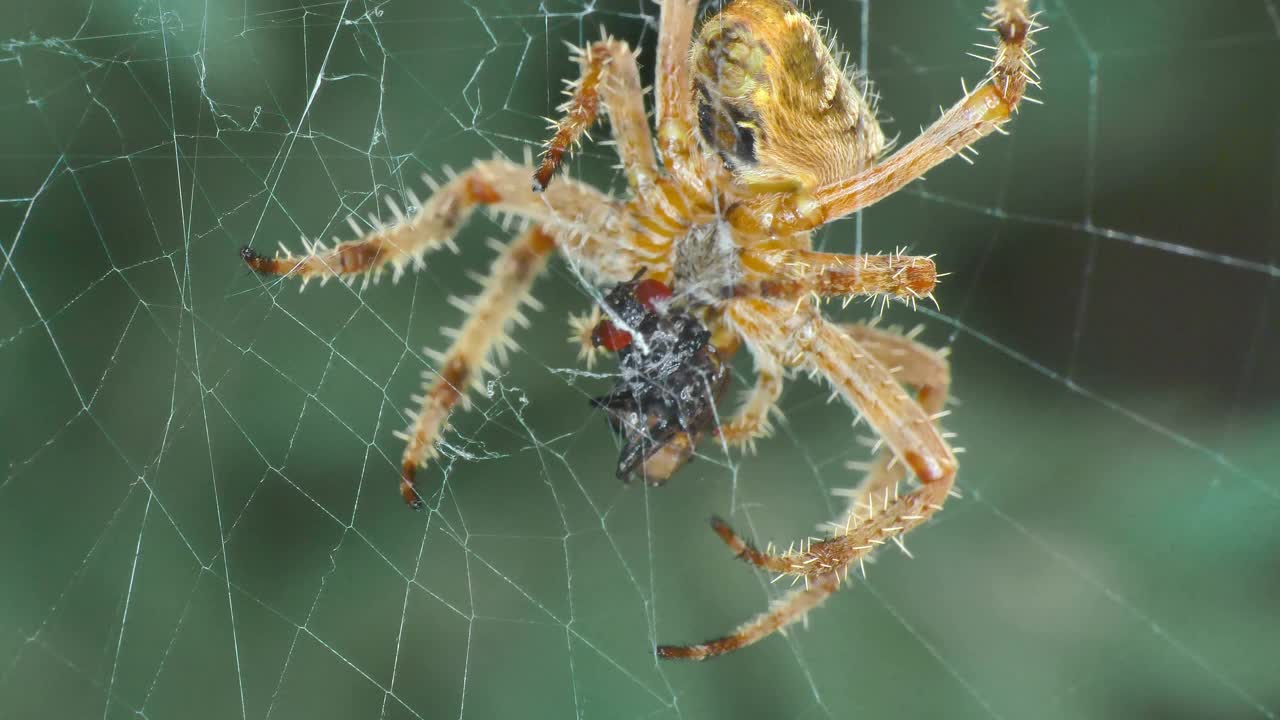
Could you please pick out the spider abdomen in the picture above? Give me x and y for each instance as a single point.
(775, 99)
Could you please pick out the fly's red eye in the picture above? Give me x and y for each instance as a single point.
(649, 291)
(607, 336)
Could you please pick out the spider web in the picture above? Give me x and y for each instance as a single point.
(198, 514)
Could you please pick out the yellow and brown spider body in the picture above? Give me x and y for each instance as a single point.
(761, 137)
(777, 101)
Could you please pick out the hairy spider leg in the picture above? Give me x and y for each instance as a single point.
(664, 202)
(752, 421)
(676, 118)
(782, 612)
(888, 523)
(906, 425)
(485, 329)
(576, 218)
(578, 212)
(779, 271)
(793, 273)
(609, 77)
(917, 365)
(912, 363)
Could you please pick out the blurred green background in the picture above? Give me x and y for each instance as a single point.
(198, 507)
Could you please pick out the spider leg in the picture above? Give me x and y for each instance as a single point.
(581, 329)
(914, 364)
(488, 316)
(782, 613)
(979, 113)
(676, 117)
(870, 388)
(821, 575)
(906, 425)
(674, 81)
(752, 419)
(578, 213)
(610, 78)
(799, 335)
(858, 373)
(911, 363)
(792, 273)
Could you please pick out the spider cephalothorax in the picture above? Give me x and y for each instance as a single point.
(762, 136)
(670, 378)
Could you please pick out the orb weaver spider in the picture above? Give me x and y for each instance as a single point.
(762, 137)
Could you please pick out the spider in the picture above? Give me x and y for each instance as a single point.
(761, 137)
